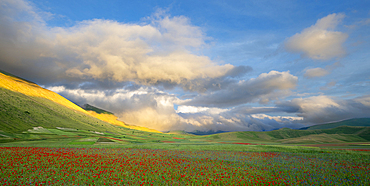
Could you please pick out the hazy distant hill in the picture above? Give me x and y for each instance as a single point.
(349, 122)
(95, 109)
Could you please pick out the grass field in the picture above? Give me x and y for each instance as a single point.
(223, 164)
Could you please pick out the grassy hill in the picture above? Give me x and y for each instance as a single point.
(349, 122)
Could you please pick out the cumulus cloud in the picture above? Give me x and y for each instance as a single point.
(147, 53)
(321, 109)
(315, 72)
(266, 87)
(319, 41)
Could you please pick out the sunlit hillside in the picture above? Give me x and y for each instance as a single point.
(28, 88)
(31, 89)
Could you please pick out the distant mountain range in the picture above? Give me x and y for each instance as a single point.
(348, 122)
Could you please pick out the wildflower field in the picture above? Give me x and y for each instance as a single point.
(127, 166)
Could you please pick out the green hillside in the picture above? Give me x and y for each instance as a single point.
(349, 122)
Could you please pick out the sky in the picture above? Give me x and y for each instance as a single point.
(196, 65)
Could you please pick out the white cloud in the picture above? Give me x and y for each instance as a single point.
(320, 41)
(315, 72)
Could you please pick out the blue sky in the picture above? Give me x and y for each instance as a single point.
(197, 65)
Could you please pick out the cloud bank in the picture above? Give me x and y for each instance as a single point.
(320, 41)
